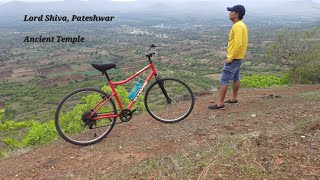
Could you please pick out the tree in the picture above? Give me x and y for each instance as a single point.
(298, 50)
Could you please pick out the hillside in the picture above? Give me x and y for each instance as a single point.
(262, 137)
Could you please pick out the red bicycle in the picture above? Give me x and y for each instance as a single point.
(87, 115)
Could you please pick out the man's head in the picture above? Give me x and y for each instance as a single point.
(237, 11)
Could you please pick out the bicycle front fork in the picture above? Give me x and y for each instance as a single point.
(161, 84)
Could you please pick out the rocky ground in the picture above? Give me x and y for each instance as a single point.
(271, 133)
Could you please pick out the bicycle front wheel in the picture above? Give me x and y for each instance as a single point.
(169, 100)
(75, 121)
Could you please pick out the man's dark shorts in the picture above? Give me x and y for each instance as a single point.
(230, 72)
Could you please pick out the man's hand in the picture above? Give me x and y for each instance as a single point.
(227, 61)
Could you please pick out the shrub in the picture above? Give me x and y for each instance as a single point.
(40, 134)
(261, 81)
(308, 74)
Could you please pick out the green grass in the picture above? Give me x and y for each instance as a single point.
(311, 95)
(197, 163)
(247, 63)
(182, 165)
(302, 124)
(227, 149)
(251, 170)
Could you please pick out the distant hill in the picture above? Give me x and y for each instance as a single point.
(305, 8)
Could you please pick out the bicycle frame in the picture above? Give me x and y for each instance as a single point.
(115, 94)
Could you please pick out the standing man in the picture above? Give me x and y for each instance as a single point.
(237, 47)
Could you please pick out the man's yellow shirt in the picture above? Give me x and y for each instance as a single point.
(238, 41)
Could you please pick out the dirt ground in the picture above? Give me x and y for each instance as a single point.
(273, 133)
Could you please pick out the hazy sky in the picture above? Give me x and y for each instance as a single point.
(49, 0)
(246, 2)
(4, 1)
(170, 0)
(277, 7)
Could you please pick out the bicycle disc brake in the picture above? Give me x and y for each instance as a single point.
(125, 115)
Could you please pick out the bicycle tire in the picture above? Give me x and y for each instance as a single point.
(182, 99)
(81, 105)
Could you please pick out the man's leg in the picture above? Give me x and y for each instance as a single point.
(228, 73)
(225, 77)
(235, 88)
(220, 98)
(222, 95)
(236, 83)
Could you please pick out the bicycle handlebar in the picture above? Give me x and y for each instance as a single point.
(153, 51)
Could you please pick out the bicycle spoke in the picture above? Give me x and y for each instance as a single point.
(76, 110)
(171, 101)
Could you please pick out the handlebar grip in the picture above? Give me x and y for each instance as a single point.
(149, 54)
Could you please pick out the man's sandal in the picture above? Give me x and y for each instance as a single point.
(216, 107)
(230, 101)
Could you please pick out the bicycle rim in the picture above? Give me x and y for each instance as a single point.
(178, 108)
(71, 122)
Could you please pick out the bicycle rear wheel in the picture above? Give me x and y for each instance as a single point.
(175, 107)
(72, 119)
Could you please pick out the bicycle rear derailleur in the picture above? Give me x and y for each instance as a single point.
(89, 121)
(126, 115)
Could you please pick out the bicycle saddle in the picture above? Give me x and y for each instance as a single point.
(103, 67)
